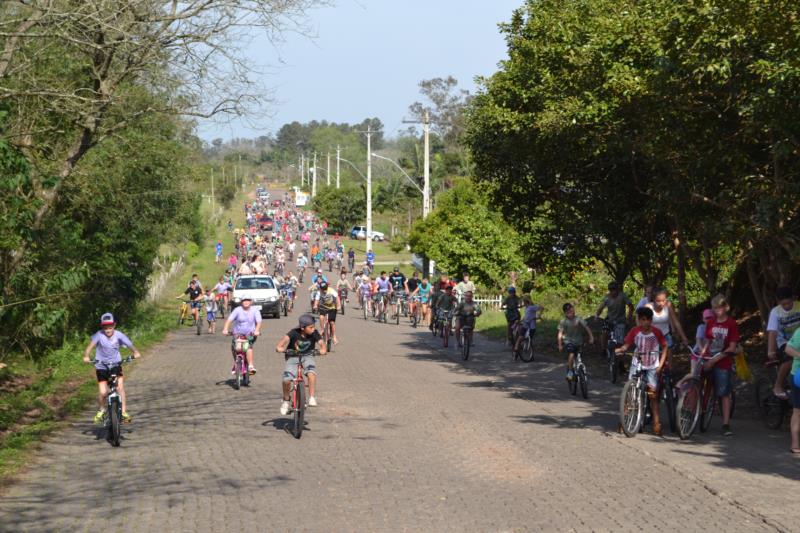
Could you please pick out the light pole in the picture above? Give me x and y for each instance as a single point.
(367, 178)
(314, 176)
(337, 165)
(369, 188)
(410, 179)
(328, 173)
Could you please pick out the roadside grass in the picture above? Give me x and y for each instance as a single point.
(37, 397)
(381, 249)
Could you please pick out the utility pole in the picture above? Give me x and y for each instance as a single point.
(369, 187)
(328, 173)
(314, 176)
(426, 172)
(337, 165)
(300, 168)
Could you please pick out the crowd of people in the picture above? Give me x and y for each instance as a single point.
(283, 241)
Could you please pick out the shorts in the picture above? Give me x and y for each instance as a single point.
(330, 314)
(570, 348)
(650, 376)
(103, 374)
(795, 393)
(250, 338)
(290, 368)
(195, 305)
(723, 381)
(210, 316)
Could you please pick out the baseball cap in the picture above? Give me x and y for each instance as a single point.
(306, 320)
(708, 314)
(107, 320)
(247, 297)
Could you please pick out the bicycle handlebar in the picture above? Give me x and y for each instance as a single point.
(315, 351)
(125, 360)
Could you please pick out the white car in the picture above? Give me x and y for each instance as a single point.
(262, 290)
(360, 233)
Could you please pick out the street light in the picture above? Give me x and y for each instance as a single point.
(401, 170)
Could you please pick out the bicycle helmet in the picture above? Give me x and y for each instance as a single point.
(512, 290)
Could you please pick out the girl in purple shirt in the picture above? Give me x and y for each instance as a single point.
(107, 342)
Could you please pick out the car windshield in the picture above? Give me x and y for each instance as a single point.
(255, 283)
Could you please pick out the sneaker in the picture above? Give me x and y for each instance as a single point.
(126, 418)
(251, 369)
(726, 430)
(98, 417)
(312, 401)
(780, 394)
(285, 407)
(570, 374)
(233, 369)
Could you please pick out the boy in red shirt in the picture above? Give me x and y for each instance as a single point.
(723, 335)
(652, 352)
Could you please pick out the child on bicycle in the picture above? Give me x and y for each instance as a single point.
(652, 352)
(210, 303)
(511, 306)
(529, 318)
(571, 336)
(723, 335)
(107, 342)
(303, 339)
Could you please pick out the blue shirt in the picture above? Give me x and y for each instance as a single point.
(370, 257)
(219, 248)
(319, 278)
(107, 349)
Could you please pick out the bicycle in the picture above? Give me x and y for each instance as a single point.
(697, 400)
(327, 331)
(523, 346)
(241, 372)
(580, 377)
(465, 335)
(342, 298)
(772, 409)
(285, 302)
(183, 312)
(112, 418)
(414, 316)
(381, 311)
(398, 301)
(302, 273)
(615, 334)
(633, 399)
(297, 392)
(445, 324)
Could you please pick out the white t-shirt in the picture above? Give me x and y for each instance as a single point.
(784, 322)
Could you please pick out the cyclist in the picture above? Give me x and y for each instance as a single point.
(465, 313)
(572, 333)
(652, 351)
(511, 305)
(293, 283)
(351, 259)
(792, 349)
(364, 290)
(615, 301)
(343, 286)
(384, 288)
(195, 299)
(399, 289)
(530, 317)
(413, 292)
(326, 302)
(370, 262)
(246, 321)
(303, 339)
(464, 286)
(424, 294)
(723, 334)
(302, 262)
(107, 342)
(210, 303)
(445, 304)
(221, 292)
(233, 261)
(784, 320)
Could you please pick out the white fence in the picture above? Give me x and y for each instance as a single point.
(160, 277)
(490, 302)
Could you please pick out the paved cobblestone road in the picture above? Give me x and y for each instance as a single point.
(406, 438)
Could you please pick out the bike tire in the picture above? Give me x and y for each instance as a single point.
(526, 350)
(114, 423)
(687, 410)
(414, 318)
(669, 402)
(198, 323)
(285, 308)
(237, 378)
(298, 414)
(708, 403)
(613, 368)
(631, 409)
(364, 309)
(770, 407)
(397, 318)
(466, 340)
(245, 374)
(583, 381)
(446, 335)
(572, 384)
(342, 307)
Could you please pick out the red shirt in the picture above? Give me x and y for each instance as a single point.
(648, 345)
(721, 335)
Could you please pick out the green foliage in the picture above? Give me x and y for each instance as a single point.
(463, 234)
(340, 207)
(631, 132)
(398, 243)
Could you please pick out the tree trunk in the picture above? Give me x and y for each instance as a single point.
(682, 304)
(758, 293)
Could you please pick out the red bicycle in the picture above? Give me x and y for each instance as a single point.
(297, 392)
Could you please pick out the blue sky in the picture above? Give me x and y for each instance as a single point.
(367, 59)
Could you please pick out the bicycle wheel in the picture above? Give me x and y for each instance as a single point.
(299, 409)
(708, 404)
(526, 350)
(687, 409)
(466, 340)
(572, 384)
(285, 307)
(237, 378)
(446, 335)
(583, 381)
(414, 318)
(613, 368)
(631, 408)
(328, 336)
(364, 308)
(343, 302)
(397, 314)
(770, 407)
(114, 411)
(669, 402)
(198, 322)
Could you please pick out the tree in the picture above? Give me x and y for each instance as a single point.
(446, 108)
(341, 207)
(464, 234)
